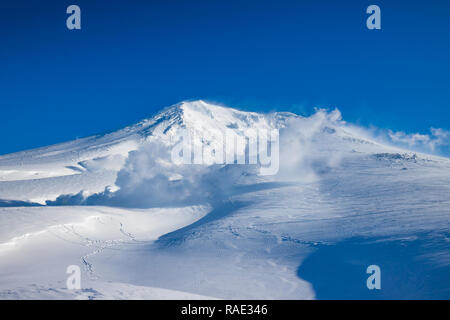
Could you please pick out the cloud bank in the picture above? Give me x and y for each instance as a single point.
(432, 142)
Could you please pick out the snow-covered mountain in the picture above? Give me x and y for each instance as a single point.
(91, 164)
(141, 226)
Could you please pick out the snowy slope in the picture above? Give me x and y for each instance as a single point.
(152, 229)
(91, 164)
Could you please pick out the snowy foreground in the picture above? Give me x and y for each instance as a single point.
(142, 227)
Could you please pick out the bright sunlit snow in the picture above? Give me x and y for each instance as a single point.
(142, 227)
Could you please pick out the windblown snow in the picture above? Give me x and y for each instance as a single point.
(142, 227)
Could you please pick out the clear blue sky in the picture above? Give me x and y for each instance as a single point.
(132, 58)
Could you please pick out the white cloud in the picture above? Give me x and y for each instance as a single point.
(424, 142)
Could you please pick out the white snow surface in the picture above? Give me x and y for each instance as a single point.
(142, 227)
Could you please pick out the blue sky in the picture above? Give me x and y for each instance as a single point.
(132, 58)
